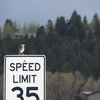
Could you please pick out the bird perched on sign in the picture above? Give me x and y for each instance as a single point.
(21, 49)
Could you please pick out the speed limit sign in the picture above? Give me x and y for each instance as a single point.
(24, 77)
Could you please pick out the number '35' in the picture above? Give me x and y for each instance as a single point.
(28, 94)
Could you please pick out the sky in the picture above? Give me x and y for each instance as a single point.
(40, 11)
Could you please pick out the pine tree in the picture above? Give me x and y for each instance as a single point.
(60, 26)
(50, 26)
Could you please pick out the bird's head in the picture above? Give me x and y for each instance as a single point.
(22, 45)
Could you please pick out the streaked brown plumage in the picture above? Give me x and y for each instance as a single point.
(21, 49)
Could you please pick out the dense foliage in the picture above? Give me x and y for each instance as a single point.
(68, 45)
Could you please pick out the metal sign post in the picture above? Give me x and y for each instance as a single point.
(24, 77)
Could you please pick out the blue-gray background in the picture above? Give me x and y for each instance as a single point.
(39, 11)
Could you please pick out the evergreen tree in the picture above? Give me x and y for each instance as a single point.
(26, 42)
(41, 45)
(96, 17)
(31, 49)
(85, 23)
(50, 26)
(60, 26)
(97, 29)
(73, 16)
(90, 35)
(76, 28)
(41, 31)
(85, 20)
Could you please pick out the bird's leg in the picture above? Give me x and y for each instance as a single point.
(22, 53)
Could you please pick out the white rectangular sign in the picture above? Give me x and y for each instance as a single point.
(24, 77)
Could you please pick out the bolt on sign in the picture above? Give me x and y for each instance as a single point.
(24, 77)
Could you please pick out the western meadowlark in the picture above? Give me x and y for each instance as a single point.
(21, 49)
